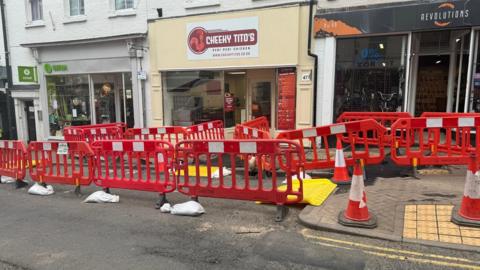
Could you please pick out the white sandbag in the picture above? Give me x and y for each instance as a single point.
(37, 189)
(190, 208)
(295, 177)
(252, 164)
(226, 172)
(166, 208)
(102, 197)
(6, 180)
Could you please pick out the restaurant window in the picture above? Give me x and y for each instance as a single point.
(68, 102)
(370, 74)
(193, 97)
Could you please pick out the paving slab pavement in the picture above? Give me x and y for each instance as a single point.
(387, 198)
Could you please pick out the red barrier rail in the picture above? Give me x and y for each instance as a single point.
(260, 123)
(169, 134)
(120, 125)
(102, 134)
(244, 132)
(385, 119)
(447, 114)
(82, 134)
(13, 159)
(135, 165)
(436, 141)
(68, 163)
(240, 185)
(74, 134)
(207, 131)
(364, 141)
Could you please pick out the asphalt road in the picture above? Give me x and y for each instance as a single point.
(60, 232)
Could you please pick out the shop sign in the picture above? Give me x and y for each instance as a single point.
(27, 74)
(50, 68)
(222, 39)
(398, 18)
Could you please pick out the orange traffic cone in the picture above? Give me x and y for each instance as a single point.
(468, 214)
(357, 214)
(340, 173)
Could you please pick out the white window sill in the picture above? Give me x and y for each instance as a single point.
(39, 23)
(122, 13)
(75, 19)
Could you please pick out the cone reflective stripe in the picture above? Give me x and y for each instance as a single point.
(357, 214)
(468, 214)
(340, 173)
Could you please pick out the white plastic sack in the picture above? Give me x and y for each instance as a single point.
(295, 177)
(166, 208)
(102, 197)
(226, 172)
(41, 190)
(6, 180)
(252, 164)
(190, 208)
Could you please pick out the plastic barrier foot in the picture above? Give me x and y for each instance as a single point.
(107, 190)
(161, 201)
(459, 220)
(20, 184)
(282, 212)
(78, 191)
(368, 224)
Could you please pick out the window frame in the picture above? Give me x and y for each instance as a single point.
(30, 13)
(125, 2)
(68, 8)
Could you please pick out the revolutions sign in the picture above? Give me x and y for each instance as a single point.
(399, 18)
(233, 38)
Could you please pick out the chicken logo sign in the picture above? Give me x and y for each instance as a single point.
(233, 38)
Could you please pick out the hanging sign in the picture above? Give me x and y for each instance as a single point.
(233, 38)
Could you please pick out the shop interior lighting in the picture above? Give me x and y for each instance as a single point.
(384, 64)
(237, 72)
(381, 46)
(438, 62)
(457, 40)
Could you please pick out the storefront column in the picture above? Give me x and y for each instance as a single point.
(471, 56)
(452, 70)
(325, 48)
(137, 94)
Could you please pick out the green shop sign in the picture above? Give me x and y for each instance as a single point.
(49, 68)
(27, 74)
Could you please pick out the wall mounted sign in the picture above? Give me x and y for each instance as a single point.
(287, 85)
(27, 74)
(398, 18)
(50, 68)
(232, 38)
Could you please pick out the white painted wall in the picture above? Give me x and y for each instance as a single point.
(327, 4)
(173, 8)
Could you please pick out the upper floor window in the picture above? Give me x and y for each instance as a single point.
(77, 7)
(36, 10)
(123, 4)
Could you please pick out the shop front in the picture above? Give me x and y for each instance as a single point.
(232, 66)
(88, 84)
(413, 57)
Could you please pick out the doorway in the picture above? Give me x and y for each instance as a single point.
(30, 120)
(439, 71)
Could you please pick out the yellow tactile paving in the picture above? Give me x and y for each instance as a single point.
(433, 223)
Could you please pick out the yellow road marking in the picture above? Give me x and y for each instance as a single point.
(385, 249)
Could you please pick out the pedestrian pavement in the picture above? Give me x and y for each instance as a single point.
(392, 200)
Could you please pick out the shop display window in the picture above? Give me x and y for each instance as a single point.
(193, 97)
(370, 74)
(68, 102)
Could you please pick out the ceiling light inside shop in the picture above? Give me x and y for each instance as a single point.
(438, 62)
(236, 72)
(381, 46)
(457, 40)
(384, 64)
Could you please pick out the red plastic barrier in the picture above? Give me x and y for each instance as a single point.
(207, 131)
(102, 134)
(436, 141)
(81, 134)
(169, 134)
(13, 159)
(240, 185)
(385, 119)
(120, 125)
(447, 114)
(68, 163)
(74, 134)
(134, 165)
(260, 123)
(366, 135)
(244, 132)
